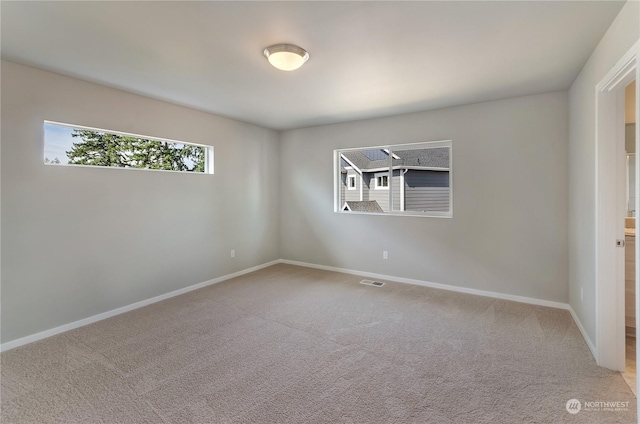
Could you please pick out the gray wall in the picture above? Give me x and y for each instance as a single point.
(582, 152)
(516, 243)
(80, 241)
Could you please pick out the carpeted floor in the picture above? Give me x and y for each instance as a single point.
(293, 345)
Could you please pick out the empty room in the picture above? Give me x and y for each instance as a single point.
(319, 212)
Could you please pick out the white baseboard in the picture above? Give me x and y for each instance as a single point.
(586, 337)
(521, 299)
(90, 320)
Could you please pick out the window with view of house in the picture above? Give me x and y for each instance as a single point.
(407, 179)
(66, 144)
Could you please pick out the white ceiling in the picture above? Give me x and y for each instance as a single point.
(368, 59)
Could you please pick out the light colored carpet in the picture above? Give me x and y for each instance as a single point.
(293, 345)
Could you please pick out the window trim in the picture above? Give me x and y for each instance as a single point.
(381, 175)
(208, 159)
(430, 214)
(355, 183)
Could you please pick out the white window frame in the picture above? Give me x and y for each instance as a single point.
(352, 177)
(381, 175)
(208, 159)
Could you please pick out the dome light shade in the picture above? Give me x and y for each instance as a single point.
(286, 57)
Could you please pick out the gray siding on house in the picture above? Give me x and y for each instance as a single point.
(380, 196)
(427, 190)
(416, 179)
(347, 195)
(366, 187)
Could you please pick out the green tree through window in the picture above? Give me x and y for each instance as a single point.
(99, 148)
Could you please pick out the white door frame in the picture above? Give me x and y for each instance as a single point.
(611, 209)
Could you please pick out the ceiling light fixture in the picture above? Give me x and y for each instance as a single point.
(286, 57)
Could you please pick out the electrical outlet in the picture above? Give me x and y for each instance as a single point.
(233, 253)
(385, 254)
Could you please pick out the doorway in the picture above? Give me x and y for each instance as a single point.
(630, 226)
(613, 205)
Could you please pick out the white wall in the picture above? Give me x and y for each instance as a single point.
(510, 188)
(80, 241)
(582, 158)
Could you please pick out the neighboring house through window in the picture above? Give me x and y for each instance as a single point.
(408, 179)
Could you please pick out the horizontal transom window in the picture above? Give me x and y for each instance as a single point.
(66, 144)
